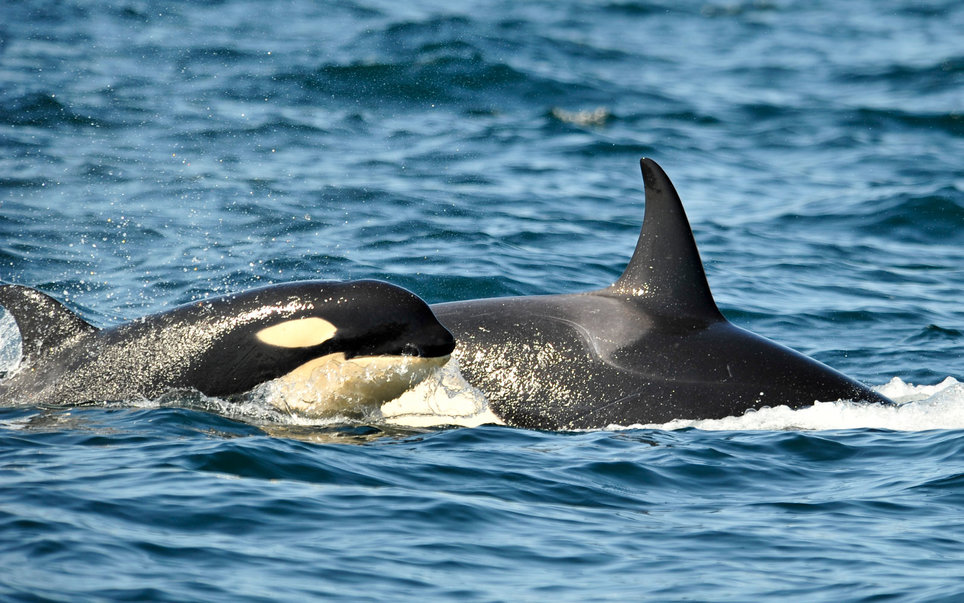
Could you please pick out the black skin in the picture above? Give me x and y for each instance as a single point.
(650, 348)
(209, 346)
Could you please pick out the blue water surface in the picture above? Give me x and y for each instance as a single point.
(155, 153)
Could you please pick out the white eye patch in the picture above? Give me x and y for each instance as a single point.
(298, 333)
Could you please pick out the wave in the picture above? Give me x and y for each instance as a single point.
(918, 408)
(922, 216)
(43, 110)
(948, 122)
(927, 77)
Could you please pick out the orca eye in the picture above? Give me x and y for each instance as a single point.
(410, 349)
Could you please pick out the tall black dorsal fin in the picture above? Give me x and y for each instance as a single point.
(45, 324)
(666, 272)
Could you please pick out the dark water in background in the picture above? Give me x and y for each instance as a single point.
(152, 153)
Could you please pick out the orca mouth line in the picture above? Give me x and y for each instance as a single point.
(435, 350)
(401, 356)
(410, 352)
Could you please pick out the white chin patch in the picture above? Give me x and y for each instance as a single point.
(333, 386)
(298, 333)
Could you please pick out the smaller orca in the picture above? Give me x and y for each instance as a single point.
(325, 344)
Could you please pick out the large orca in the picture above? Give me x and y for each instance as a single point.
(323, 343)
(650, 348)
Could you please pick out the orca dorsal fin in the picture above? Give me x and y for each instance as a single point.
(665, 272)
(45, 324)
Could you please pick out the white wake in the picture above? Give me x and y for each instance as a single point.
(918, 408)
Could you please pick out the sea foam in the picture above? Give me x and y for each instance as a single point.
(917, 408)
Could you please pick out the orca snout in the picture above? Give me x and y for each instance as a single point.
(442, 343)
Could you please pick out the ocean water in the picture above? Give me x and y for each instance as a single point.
(155, 153)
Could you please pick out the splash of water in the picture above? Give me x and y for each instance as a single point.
(9, 343)
(918, 408)
(446, 399)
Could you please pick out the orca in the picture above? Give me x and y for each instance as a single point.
(326, 345)
(650, 348)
